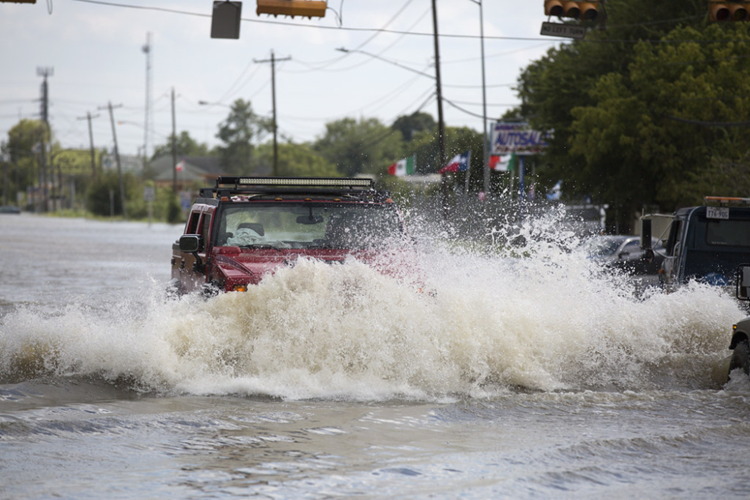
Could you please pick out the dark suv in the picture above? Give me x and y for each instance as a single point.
(246, 227)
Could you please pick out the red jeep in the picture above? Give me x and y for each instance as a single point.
(247, 227)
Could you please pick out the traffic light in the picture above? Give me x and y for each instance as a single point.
(305, 8)
(728, 11)
(587, 11)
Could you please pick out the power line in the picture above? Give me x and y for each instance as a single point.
(282, 23)
(385, 49)
(413, 33)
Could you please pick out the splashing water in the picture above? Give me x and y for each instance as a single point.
(535, 315)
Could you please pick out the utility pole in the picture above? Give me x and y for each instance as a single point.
(91, 142)
(117, 156)
(174, 147)
(149, 120)
(44, 72)
(273, 99)
(441, 121)
(5, 158)
(486, 164)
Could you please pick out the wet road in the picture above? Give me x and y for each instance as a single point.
(522, 378)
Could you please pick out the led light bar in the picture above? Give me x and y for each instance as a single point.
(297, 181)
(726, 199)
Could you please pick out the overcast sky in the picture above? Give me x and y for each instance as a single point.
(96, 52)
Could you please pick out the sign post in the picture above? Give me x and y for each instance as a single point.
(149, 195)
(520, 139)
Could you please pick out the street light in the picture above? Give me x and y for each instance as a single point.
(375, 56)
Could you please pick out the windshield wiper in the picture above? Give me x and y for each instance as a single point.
(261, 246)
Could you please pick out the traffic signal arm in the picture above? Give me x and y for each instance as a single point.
(305, 8)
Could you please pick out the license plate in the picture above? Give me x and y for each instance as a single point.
(717, 212)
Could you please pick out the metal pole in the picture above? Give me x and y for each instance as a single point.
(6, 166)
(117, 158)
(148, 120)
(91, 142)
(174, 147)
(441, 122)
(486, 164)
(45, 73)
(275, 127)
(273, 104)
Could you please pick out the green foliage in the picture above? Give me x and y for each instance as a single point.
(612, 106)
(238, 133)
(71, 161)
(409, 125)
(359, 146)
(296, 160)
(173, 209)
(185, 146)
(98, 194)
(23, 148)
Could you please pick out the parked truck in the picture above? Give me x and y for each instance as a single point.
(710, 244)
(705, 243)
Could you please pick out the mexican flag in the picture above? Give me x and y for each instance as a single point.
(403, 167)
(503, 163)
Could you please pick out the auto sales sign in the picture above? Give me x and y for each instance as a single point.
(518, 138)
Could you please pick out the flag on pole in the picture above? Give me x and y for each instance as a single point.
(180, 166)
(556, 192)
(459, 163)
(403, 167)
(503, 163)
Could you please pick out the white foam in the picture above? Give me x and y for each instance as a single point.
(539, 316)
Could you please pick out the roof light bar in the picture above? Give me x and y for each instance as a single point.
(292, 181)
(726, 200)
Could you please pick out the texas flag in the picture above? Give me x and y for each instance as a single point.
(403, 167)
(459, 163)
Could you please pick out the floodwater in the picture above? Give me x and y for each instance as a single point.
(526, 374)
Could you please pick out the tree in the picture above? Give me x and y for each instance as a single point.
(356, 146)
(23, 146)
(581, 84)
(185, 145)
(296, 160)
(106, 185)
(651, 134)
(238, 133)
(409, 125)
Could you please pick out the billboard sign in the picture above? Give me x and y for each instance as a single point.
(518, 138)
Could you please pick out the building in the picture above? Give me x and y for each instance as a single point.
(191, 170)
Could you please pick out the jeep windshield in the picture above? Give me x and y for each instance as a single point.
(285, 225)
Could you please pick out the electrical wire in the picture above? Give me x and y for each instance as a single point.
(375, 31)
(331, 62)
(466, 111)
(708, 124)
(231, 89)
(465, 103)
(413, 33)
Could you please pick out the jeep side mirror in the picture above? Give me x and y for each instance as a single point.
(645, 234)
(190, 243)
(743, 282)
